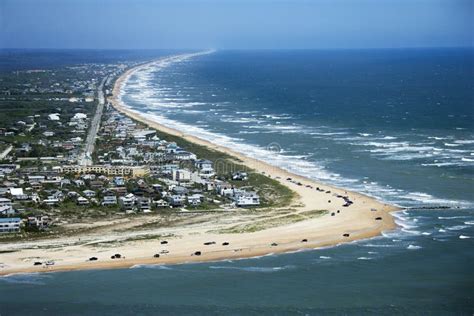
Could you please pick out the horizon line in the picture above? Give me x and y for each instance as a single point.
(234, 49)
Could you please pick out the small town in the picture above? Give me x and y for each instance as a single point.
(78, 158)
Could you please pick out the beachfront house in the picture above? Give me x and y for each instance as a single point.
(184, 155)
(176, 200)
(109, 200)
(205, 168)
(195, 199)
(10, 225)
(240, 176)
(143, 204)
(247, 199)
(40, 222)
(127, 203)
(82, 201)
(50, 201)
(203, 164)
(161, 203)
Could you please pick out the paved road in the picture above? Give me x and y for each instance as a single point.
(86, 157)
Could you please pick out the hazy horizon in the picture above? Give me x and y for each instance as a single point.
(232, 24)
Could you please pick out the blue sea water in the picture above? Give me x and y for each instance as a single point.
(394, 124)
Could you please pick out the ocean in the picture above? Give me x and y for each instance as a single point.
(393, 124)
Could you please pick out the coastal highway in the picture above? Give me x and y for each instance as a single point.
(86, 157)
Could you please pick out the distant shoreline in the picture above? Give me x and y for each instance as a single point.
(365, 218)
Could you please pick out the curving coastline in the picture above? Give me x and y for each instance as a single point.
(358, 220)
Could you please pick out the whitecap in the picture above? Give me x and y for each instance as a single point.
(464, 237)
(457, 227)
(451, 217)
(151, 266)
(254, 269)
(413, 247)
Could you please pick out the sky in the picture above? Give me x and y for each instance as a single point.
(234, 24)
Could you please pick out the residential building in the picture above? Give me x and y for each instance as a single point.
(176, 200)
(40, 222)
(195, 199)
(109, 170)
(127, 203)
(143, 204)
(161, 203)
(82, 201)
(109, 200)
(247, 199)
(182, 175)
(10, 225)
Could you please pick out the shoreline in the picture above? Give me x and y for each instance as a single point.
(358, 220)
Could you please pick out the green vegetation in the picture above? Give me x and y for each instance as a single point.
(263, 224)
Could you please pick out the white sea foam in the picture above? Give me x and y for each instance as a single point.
(464, 237)
(379, 245)
(457, 227)
(413, 247)
(255, 269)
(151, 266)
(464, 141)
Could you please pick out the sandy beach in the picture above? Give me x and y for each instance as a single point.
(365, 218)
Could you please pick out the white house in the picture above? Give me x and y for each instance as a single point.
(89, 193)
(53, 117)
(161, 203)
(247, 199)
(182, 175)
(203, 164)
(82, 201)
(109, 200)
(51, 201)
(127, 203)
(195, 199)
(5, 202)
(241, 176)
